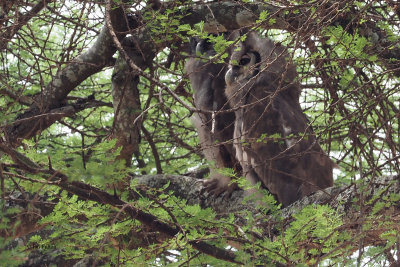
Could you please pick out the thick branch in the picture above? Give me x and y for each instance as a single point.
(126, 97)
(228, 16)
(341, 199)
(92, 61)
(88, 192)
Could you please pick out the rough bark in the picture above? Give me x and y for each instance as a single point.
(340, 198)
(228, 16)
(38, 117)
(128, 115)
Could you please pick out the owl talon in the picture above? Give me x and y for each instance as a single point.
(218, 185)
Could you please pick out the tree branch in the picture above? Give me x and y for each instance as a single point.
(21, 20)
(218, 17)
(92, 61)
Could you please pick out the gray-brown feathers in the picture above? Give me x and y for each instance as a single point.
(268, 138)
(214, 125)
(273, 140)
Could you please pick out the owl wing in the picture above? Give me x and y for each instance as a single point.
(283, 152)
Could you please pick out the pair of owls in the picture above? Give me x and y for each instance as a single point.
(251, 120)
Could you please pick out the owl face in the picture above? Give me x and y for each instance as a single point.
(243, 67)
(258, 62)
(204, 48)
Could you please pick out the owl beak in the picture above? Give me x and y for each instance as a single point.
(230, 76)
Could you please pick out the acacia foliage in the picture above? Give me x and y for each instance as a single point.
(79, 121)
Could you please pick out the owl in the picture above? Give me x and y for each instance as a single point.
(214, 123)
(273, 140)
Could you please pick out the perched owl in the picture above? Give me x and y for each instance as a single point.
(214, 124)
(273, 140)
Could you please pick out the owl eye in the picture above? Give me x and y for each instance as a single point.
(244, 60)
